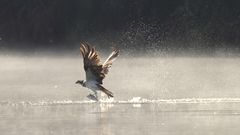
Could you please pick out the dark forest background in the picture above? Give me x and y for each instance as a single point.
(168, 25)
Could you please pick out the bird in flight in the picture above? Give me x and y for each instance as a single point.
(95, 71)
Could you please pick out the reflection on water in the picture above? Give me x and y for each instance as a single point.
(110, 118)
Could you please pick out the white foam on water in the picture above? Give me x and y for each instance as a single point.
(134, 101)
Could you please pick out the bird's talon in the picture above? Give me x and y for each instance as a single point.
(92, 97)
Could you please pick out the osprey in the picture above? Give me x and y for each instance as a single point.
(95, 71)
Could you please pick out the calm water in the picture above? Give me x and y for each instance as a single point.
(168, 96)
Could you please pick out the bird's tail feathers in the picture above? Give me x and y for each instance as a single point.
(107, 92)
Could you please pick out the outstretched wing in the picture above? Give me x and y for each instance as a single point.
(92, 65)
(95, 71)
(108, 63)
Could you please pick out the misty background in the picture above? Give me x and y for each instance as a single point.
(176, 26)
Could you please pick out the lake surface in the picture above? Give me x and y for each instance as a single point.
(167, 96)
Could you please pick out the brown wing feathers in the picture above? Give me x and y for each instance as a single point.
(91, 62)
(90, 54)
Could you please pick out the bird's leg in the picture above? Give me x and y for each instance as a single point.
(92, 96)
(95, 93)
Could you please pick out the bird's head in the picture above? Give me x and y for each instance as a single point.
(80, 82)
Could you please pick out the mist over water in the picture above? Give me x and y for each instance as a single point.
(153, 95)
(27, 78)
(177, 74)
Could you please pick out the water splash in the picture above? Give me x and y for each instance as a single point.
(136, 101)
